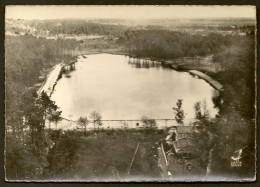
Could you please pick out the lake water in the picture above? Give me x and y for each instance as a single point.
(120, 88)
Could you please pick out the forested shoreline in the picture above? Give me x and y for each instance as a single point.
(235, 125)
(28, 58)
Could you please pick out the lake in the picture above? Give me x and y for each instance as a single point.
(123, 88)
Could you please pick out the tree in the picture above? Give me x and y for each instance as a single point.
(179, 113)
(48, 109)
(148, 122)
(83, 122)
(197, 107)
(233, 132)
(201, 112)
(55, 117)
(96, 119)
(36, 111)
(31, 155)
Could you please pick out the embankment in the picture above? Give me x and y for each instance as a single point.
(54, 74)
(51, 80)
(188, 68)
(211, 81)
(53, 77)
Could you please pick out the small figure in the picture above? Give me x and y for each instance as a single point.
(171, 137)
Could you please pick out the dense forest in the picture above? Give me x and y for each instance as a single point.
(236, 123)
(28, 57)
(172, 44)
(78, 27)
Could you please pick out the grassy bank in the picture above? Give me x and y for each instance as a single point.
(104, 155)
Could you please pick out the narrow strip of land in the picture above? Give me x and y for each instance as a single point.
(52, 78)
(211, 81)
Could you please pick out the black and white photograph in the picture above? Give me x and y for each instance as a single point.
(130, 93)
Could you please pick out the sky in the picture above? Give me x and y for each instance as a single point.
(128, 12)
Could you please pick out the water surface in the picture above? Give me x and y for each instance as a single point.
(122, 88)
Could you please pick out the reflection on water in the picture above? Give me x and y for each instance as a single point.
(119, 87)
(67, 69)
(143, 63)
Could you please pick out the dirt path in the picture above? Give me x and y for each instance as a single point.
(51, 80)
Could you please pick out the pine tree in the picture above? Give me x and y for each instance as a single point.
(179, 113)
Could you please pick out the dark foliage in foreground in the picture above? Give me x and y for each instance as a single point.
(26, 58)
(107, 156)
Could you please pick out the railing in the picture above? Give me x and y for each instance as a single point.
(67, 124)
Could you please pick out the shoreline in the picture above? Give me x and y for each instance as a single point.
(53, 76)
(207, 78)
(51, 80)
(215, 84)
